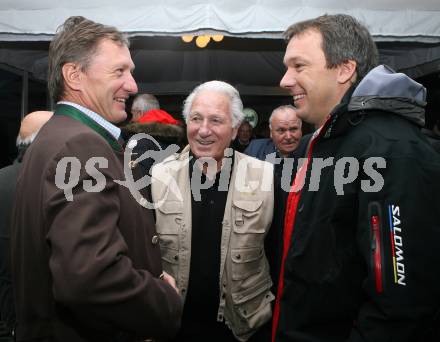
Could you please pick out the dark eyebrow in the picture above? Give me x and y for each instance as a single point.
(295, 59)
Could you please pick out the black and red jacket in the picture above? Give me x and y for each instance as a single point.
(362, 262)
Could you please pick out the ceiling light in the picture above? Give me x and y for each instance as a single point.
(202, 41)
(187, 38)
(217, 37)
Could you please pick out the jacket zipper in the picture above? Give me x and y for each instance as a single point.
(376, 246)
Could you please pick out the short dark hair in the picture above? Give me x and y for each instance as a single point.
(343, 38)
(245, 122)
(76, 41)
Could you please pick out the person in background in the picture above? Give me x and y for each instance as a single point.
(143, 103)
(244, 137)
(85, 254)
(214, 208)
(362, 219)
(285, 136)
(162, 127)
(29, 127)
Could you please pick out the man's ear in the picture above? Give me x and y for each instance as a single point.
(72, 76)
(347, 71)
(234, 133)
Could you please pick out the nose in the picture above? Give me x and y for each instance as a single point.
(204, 129)
(289, 79)
(130, 84)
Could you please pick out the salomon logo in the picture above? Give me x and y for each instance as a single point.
(397, 245)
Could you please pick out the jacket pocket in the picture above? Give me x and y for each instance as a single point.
(376, 245)
(169, 220)
(170, 256)
(247, 216)
(170, 263)
(253, 306)
(246, 262)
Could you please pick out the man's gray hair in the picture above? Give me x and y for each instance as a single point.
(282, 108)
(236, 104)
(145, 102)
(24, 142)
(76, 41)
(343, 38)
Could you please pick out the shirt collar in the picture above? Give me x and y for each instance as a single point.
(108, 126)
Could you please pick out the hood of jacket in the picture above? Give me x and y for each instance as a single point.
(385, 90)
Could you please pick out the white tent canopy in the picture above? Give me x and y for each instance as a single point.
(407, 32)
(402, 20)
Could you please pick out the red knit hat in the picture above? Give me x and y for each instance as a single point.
(157, 115)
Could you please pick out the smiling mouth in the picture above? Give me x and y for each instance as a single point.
(204, 143)
(298, 97)
(120, 100)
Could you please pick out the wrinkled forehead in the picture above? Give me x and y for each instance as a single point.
(208, 102)
(286, 124)
(286, 115)
(286, 120)
(112, 52)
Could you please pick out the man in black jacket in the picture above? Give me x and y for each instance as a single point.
(360, 261)
(29, 128)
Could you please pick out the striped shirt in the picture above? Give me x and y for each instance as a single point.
(112, 129)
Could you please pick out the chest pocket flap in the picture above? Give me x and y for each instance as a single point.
(246, 216)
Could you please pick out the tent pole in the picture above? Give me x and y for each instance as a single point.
(24, 94)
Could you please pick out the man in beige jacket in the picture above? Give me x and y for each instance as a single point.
(213, 209)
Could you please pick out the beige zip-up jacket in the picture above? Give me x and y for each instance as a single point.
(244, 279)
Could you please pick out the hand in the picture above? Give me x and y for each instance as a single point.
(170, 280)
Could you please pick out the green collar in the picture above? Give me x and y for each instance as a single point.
(76, 114)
